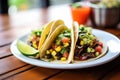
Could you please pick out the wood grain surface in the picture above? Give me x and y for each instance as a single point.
(14, 26)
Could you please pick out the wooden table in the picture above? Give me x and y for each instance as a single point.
(16, 25)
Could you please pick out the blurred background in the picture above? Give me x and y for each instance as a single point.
(20, 12)
(13, 6)
(99, 17)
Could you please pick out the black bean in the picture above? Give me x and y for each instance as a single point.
(49, 56)
(59, 55)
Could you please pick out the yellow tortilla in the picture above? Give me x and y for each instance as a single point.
(49, 28)
(50, 40)
(104, 49)
(55, 25)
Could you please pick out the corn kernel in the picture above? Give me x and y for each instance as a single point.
(47, 52)
(66, 44)
(51, 50)
(97, 54)
(91, 43)
(53, 53)
(63, 59)
(58, 49)
(55, 57)
(81, 43)
(34, 44)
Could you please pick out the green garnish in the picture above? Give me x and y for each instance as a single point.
(63, 50)
(57, 42)
(67, 34)
(61, 36)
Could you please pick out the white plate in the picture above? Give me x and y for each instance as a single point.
(113, 51)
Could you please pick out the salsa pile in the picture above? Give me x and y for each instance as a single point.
(60, 47)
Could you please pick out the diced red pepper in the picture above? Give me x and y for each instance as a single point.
(65, 40)
(65, 54)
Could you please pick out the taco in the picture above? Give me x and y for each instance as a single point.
(50, 27)
(87, 46)
(59, 47)
(39, 36)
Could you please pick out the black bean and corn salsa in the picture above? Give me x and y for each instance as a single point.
(34, 38)
(87, 45)
(60, 47)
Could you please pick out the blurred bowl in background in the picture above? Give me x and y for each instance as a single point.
(104, 16)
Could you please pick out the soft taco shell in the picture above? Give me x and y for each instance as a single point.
(55, 24)
(50, 40)
(75, 26)
(75, 37)
(104, 49)
(49, 28)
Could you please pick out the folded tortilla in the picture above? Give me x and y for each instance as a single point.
(51, 39)
(104, 49)
(48, 29)
(74, 37)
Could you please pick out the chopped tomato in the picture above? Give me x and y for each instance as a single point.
(100, 44)
(65, 54)
(98, 49)
(65, 40)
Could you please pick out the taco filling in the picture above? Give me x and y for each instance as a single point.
(34, 38)
(60, 48)
(87, 45)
